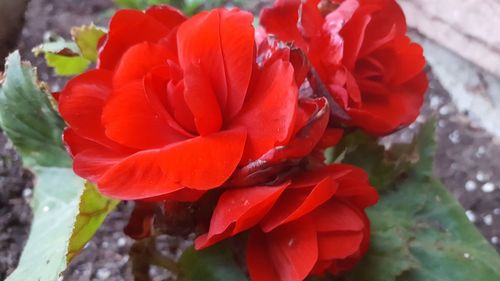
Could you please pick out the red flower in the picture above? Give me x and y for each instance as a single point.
(176, 106)
(360, 50)
(309, 226)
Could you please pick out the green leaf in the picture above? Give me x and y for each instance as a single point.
(28, 118)
(383, 166)
(67, 65)
(66, 216)
(143, 4)
(87, 37)
(60, 46)
(62, 210)
(64, 56)
(213, 264)
(420, 232)
(93, 209)
(55, 207)
(131, 4)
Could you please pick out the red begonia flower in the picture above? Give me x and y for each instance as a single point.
(310, 225)
(360, 50)
(176, 106)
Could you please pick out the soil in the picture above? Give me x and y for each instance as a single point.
(467, 161)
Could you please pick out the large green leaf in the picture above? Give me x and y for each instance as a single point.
(66, 215)
(28, 118)
(216, 263)
(420, 232)
(55, 207)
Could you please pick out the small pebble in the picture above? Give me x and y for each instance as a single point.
(481, 151)
(466, 255)
(496, 211)
(488, 187)
(470, 215)
(435, 102)
(494, 240)
(488, 220)
(103, 273)
(445, 110)
(454, 137)
(470, 186)
(27, 192)
(121, 242)
(482, 176)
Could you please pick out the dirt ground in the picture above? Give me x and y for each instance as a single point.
(467, 161)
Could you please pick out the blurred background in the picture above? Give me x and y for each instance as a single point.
(462, 45)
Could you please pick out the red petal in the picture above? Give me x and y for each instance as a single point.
(81, 103)
(92, 163)
(139, 60)
(281, 159)
(337, 216)
(359, 193)
(199, 163)
(238, 210)
(308, 135)
(177, 106)
(169, 16)
(331, 137)
(127, 28)
(273, 103)
(282, 20)
(339, 245)
(336, 171)
(90, 159)
(135, 119)
(409, 60)
(259, 262)
(294, 249)
(388, 21)
(182, 195)
(296, 203)
(75, 143)
(237, 41)
(354, 34)
(202, 101)
(221, 44)
(389, 114)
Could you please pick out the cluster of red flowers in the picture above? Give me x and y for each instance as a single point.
(180, 108)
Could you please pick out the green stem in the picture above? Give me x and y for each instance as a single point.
(143, 255)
